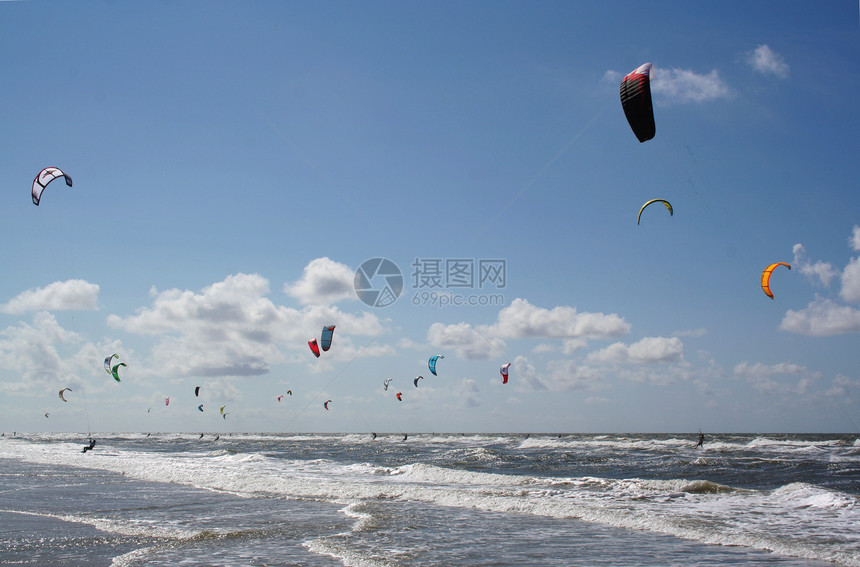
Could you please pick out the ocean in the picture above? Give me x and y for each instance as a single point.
(431, 499)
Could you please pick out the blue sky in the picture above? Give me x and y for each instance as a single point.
(234, 164)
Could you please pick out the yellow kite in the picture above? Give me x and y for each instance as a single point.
(765, 277)
(664, 201)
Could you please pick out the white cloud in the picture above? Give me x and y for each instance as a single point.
(571, 375)
(466, 341)
(819, 271)
(572, 346)
(521, 319)
(851, 281)
(825, 317)
(70, 295)
(613, 77)
(31, 350)
(822, 317)
(231, 329)
(522, 375)
(761, 376)
(649, 350)
(469, 394)
(766, 61)
(323, 282)
(683, 85)
(841, 385)
(854, 239)
(760, 370)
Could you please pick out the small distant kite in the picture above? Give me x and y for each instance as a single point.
(107, 362)
(765, 277)
(200, 407)
(386, 383)
(416, 380)
(325, 340)
(636, 101)
(325, 405)
(46, 176)
(398, 396)
(664, 201)
(326, 337)
(115, 370)
(504, 372)
(197, 391)
(432, 363)
(314, 347)
(63, 391)
(167, 401)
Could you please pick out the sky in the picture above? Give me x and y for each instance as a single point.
(237, 164)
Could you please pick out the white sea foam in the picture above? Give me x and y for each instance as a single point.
(129, 527)
(797, 519)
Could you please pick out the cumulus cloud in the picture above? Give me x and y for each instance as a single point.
(521, 319)
(683, 85)
(762, 376)
(323, 282)
(759, 369)
(31, 349)
(767, 62)
(612, 77)
(851, 281)
(842, 385)
(231, 328)
(824, 316)
(851, 274)
(70, 295)
(572, 346)
(649, 350)
(523, 376)
(565, 375)
(469, 394)
(854, 239)
(819, 271)
(821, 318)
(466, 341)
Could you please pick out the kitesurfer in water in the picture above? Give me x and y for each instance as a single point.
(701, 440)
(90, 446)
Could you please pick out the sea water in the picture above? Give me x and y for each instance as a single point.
(321, 500)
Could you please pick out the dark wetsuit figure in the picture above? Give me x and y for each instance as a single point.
(90, 446)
